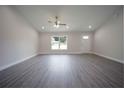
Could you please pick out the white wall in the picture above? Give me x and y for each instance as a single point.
(123, 34)
(123, 46)
(108, 40)
(76, 44)
(18, 40)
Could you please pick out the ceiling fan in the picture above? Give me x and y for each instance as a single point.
(56, 22)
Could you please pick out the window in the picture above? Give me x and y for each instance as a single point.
(85, 37)
(59, 42)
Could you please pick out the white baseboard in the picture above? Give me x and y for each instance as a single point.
(111, 58)
(17, 62)
(63, 53)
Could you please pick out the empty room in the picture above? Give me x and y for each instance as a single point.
(61, 46)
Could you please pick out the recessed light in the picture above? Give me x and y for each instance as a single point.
(43, 27)
(67, 27)
(90, 26)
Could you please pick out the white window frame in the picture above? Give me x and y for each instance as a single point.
(59, 43)
(85, 37)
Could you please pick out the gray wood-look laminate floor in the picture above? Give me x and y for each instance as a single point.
(64, 71)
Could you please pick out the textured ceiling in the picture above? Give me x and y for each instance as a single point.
(78, 18)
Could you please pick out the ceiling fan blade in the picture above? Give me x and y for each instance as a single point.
(62, 24)
(49, 21)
